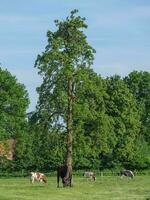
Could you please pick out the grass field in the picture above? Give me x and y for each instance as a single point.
(105, 188)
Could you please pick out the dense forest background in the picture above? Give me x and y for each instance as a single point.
(111, 125)
(111, 116)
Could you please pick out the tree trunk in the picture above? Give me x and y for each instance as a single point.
(69, 132)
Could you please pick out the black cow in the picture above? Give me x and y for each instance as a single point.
(127, 173)
(65, 172)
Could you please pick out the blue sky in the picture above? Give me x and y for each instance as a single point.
(118, 30)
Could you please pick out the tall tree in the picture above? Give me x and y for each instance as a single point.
(66, 52)
(139, 85)
(93, 128)
(13, 104)
(13, 124)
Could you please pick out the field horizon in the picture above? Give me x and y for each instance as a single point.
(104, 188)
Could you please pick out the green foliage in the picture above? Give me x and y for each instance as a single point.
(110, 116)
(139, 84)
(48, 148)
(65, 58)
(13, 104)
(106, 119)
(121, 106)
(13, 124)
(141, 158)
(91, 124)
(66, 51)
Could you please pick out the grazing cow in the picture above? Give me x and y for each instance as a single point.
(127, 173)
(39, 177)
(65, 172)
(90, 175)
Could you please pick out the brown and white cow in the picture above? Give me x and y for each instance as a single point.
(65, 172)
(37, 176)
(90, 175)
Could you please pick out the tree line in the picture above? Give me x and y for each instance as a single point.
(92, 121)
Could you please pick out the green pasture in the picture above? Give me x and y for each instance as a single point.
(105, 188)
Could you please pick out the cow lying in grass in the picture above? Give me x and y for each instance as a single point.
(127, 173)
(90, 175)
(37, 176)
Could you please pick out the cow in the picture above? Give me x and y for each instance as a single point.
(89, 174)
(127, 173)
(37, 176)
(65, 172)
